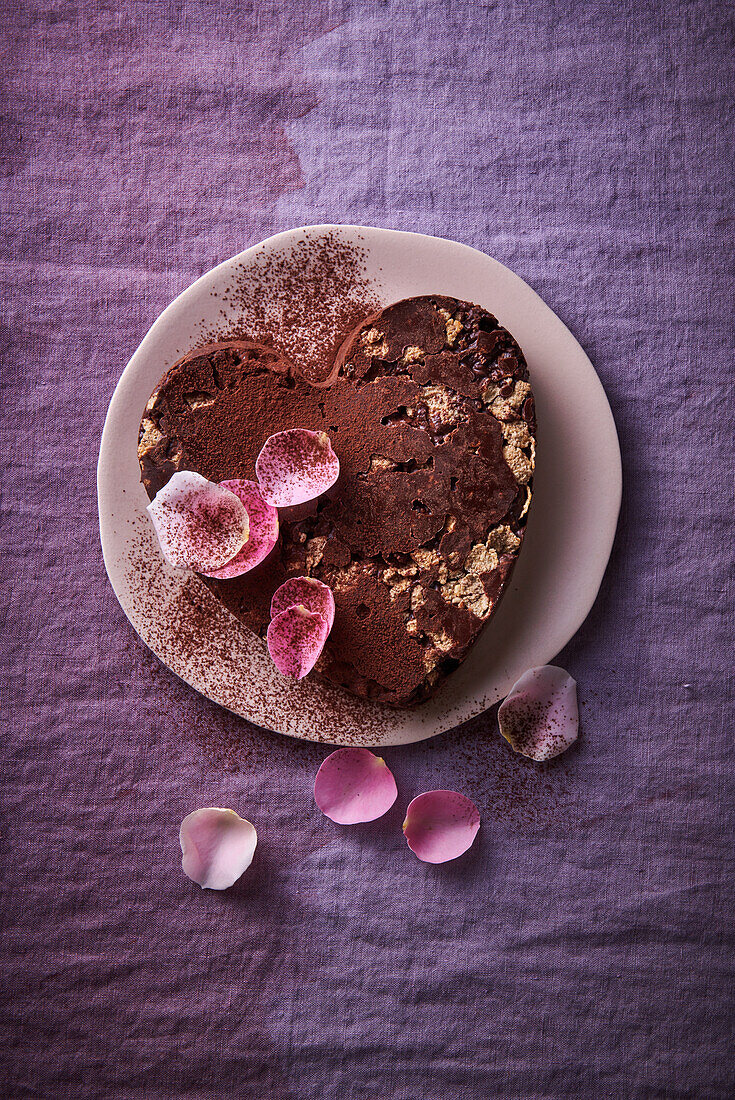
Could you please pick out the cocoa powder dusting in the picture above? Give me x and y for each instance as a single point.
(193, 633)
(302, 302)
(506, 787)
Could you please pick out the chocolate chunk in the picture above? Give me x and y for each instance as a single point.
(489, 343)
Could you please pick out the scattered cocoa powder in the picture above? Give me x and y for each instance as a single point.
(507, 787)
(192, 633)
(303, 301)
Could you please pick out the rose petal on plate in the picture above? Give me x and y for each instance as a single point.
(309, 592)
(295, 639)
(540, 717)
(441, 825)
(295, 466)
(199, 524)
(263, 530)
(217, 846)
(354, 785)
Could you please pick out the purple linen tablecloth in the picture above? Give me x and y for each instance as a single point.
(584, 948)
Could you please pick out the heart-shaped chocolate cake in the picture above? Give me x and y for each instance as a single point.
(429, 408)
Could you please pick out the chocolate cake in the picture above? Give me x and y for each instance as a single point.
(429, 408)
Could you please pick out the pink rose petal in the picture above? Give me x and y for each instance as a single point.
(263, 530)
(309, 592)
(199, 524)
(296, 638)
(441, 825)
(353, 785)
(295, 466)
(540, 717)
(217, 846)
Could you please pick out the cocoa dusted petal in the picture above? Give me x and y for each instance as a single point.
(429, 411)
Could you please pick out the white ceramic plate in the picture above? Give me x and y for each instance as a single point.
(577, 490)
